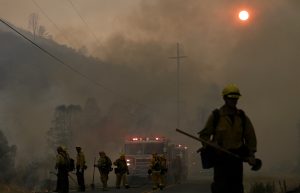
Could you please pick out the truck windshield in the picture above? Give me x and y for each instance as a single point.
(144, 148)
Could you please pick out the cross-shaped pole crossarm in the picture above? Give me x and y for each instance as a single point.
(178, 57)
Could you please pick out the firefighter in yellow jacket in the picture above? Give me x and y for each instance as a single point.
(155, 171)
(231, 129)
(104, 166)
(163, 171)
(121, 172)
(80, 167)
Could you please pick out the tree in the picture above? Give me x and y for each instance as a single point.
(33, 23)
(63, 125)
(7, 159)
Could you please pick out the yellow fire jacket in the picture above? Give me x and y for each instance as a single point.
(230, 131)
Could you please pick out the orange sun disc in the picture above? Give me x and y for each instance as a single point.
(244, 15)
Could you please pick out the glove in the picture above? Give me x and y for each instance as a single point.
(149, 171)
(251, 160)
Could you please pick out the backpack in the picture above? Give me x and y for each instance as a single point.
(109, 164)
(69, 164)
(106, 165)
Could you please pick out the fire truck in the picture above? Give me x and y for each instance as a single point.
(139, 150)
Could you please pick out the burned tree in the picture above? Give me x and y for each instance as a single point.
(33, 23)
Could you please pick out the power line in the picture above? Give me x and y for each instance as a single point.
(83, 20)
(68, 66)
(51, 21)
(75, 70)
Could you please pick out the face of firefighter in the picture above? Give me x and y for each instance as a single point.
(231, 102)
(59, 149)
(101, 154)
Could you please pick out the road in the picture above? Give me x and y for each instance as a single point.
(191, 186)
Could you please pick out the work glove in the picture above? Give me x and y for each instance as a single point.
(254, 162)
(251, 160)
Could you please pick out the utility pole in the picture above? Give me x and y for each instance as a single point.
(178, 57)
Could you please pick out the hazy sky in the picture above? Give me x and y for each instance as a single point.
(68, 20)
(261, 55)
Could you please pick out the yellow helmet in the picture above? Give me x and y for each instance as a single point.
(64, 148)
(231, 91)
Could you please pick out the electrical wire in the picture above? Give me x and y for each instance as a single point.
(83, 20)
(69, 66)
(51, 21)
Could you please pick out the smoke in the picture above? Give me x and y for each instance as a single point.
(138, 81)
(260, 56)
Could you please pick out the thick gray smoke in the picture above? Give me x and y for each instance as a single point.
(137, 91)
(260, 56)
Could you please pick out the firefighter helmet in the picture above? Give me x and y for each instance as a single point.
(231, 91)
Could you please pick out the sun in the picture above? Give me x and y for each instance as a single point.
(243, 15)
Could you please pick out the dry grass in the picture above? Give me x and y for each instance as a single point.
(267, 184)
(12, 189)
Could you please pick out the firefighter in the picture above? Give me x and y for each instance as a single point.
(121, 171)
(163, 171)
(233, 131)
(155, 171)
(80, 167)
(104, 166)
(62, 170)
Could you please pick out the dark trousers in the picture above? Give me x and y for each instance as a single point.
(104, 178)
(228, 175)
(62, 181)
(80, 180)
